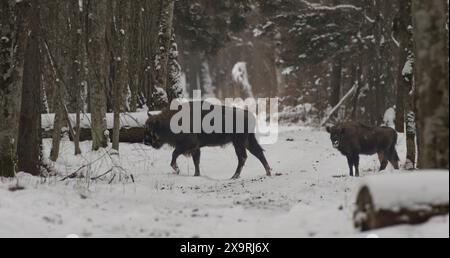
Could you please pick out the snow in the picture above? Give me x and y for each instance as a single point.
(389, 117)
(436, 228)
(311, 196)
(257, 32)
(408, 68)
(240, 75)
(288, 70)
(335, 7)
(409, 190)
(300, 114)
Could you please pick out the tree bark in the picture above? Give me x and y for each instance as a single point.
(405, 89)
(79, 53)
(98, 70)
(174, 87)
(58, 124)
(15, 22)
(431, 77)
(29, 142)
(121, 30)
(162, 54)
(336, 80)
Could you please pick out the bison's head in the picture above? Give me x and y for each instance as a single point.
(336, 133)
(152, 135)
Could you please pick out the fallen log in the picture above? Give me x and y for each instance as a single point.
(410, 198)
(129, 135)
(131, 126)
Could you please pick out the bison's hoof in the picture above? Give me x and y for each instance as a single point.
(176, 169)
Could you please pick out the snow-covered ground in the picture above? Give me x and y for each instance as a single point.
(311, 196)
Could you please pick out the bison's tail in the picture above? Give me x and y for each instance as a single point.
(253, 143)
(394, 154)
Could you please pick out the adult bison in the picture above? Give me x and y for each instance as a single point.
(353, 139)
(159, 130)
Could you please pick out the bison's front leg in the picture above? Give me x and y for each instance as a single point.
(196, 158)
(353, 161)
(350, 164)
(356, 163)
(176, 153)
(242, 157)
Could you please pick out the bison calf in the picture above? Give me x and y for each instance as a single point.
(158, 132)
(353, 139)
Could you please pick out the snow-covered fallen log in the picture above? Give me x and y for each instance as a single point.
(131, 125)
(409, 198)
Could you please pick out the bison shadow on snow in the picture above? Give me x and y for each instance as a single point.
(353, 139)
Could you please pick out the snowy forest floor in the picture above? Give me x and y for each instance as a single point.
(311, 196)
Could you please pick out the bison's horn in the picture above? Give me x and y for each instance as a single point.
(149, 114)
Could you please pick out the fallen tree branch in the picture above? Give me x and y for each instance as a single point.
(74, 174)
(102, 175)
(342, 101)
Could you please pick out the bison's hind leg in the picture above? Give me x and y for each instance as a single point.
(394, 159)
(176, 153)
(196, 159)
(383, 160)
(241, 154)
(258, 152)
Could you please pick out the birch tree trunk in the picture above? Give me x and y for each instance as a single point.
(431, 77)
(405, 88)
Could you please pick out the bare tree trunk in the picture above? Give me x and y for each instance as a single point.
(133, 56)
(336, 81)
(15, 22)
(163, 49)
(57, 125)
(400, 95)
(120, 48)
(357, 80)
(410, 131)
(29, 142)
(77, 128)
(78, 63)
(431, 77)
(280, 78)
(405, 88)
(401, 23)
(98, 70)
(148, 47)
(174, 88)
